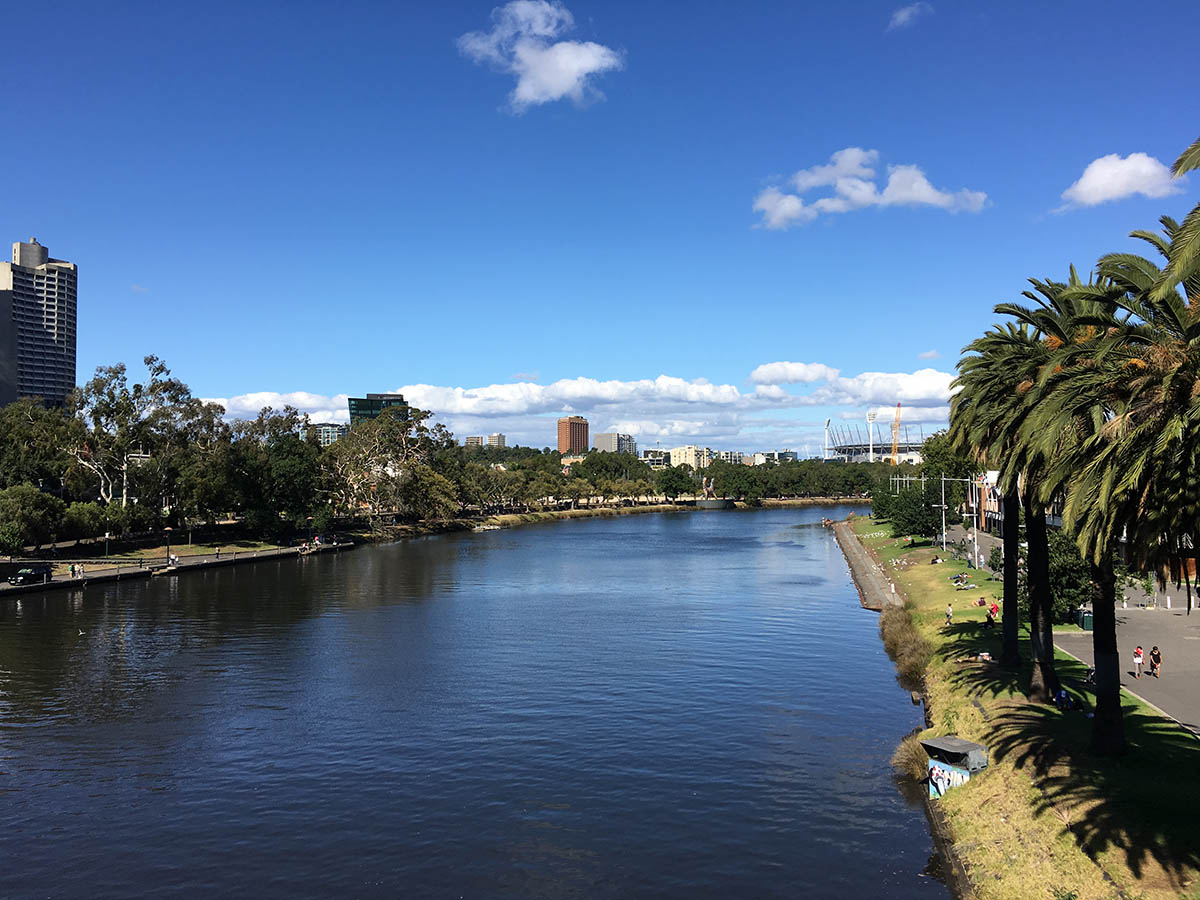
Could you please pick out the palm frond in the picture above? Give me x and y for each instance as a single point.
(1189, 159)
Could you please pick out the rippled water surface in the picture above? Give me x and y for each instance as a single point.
(681, 705)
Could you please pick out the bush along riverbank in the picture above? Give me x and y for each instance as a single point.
(1046, 819)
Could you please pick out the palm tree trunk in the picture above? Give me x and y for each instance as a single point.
(1043, 682)
(1010, 656)
(1108, 726)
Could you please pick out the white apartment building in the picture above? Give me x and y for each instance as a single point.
(691, 455)
(612, 442)
(473, 440)
(657, 459)
(733, 457)
(495, 440)
(38, 300)
(326, 433)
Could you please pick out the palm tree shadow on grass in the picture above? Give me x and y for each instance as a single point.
(966, 640)
(1141, 804)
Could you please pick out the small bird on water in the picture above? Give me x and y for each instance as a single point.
(81, 631)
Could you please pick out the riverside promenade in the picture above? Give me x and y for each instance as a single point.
(125, 570)
(1144, 621)
(874, 589)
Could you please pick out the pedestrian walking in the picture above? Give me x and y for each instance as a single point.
(949, 613)
(1139, 658)
(1155, 661)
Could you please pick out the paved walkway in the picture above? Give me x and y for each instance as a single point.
(1177, 635)
(1147, 622)
(98, 572)
(874, 588)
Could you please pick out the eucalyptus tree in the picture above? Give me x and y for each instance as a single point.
(118, 426)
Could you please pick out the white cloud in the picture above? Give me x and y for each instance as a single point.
(666, 409)
(792, 373)
(908, 186)
(929, 354)
(138, 289)
(853, 162)
(851, 175)
(319, 407)
(906, 15)
(1113, 177)
(522, 43)
(925, 387)
(780, 210)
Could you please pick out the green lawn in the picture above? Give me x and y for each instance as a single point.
(1046, 815)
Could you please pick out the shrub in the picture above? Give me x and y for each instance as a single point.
(905, 646)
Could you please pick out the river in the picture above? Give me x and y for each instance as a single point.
(681, 705)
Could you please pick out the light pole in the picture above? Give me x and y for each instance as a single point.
(973, 486)
(168, 531)
(943, 513)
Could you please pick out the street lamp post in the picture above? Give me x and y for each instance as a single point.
(975, 492)
(168, 531)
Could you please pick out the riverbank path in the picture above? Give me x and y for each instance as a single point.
(874, 588)
(1177, 635)
(99, 572)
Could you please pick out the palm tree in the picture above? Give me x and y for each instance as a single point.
(1159, 349)
(1126, 390)
(982, 423)
(1033, 451)
(1184, 261)
(1077, 415)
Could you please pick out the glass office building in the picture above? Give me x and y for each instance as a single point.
(372, 405)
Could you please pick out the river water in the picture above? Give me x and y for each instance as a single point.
(685, 705)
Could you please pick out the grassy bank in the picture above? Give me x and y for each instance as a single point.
(1046, 819)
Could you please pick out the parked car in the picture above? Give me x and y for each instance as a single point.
(39, 574)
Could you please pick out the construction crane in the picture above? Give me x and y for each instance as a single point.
(896, 438)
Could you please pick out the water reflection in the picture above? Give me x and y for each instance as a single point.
(645, 705)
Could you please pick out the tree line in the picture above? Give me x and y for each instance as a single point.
(1086, 396)
(128, 455)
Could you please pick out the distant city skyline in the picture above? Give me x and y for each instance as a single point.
(761, 416)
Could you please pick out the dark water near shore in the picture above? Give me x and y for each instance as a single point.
(679, 705)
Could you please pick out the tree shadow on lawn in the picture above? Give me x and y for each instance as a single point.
(1141, 804)
(963, 644)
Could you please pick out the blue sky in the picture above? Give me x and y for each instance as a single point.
(515, 212)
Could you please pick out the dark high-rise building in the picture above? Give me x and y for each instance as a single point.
(372, 405)
(573, 434)
(38, 298)
(8, 350)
